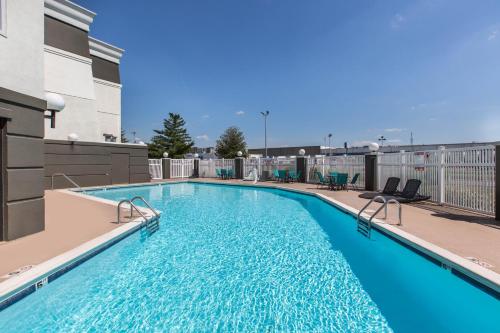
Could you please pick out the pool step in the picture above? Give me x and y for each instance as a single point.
(364, 228)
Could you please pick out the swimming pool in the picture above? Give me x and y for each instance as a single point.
(230, 258)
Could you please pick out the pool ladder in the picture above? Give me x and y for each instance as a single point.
(365, 226)
(151, 223)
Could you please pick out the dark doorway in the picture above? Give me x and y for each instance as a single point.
(120, 168)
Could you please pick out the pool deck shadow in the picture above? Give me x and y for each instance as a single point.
(464, 233)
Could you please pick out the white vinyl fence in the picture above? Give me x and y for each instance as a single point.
(462, 177)
(346, 164)
(207, 167)
(181, 168)
(155, 168)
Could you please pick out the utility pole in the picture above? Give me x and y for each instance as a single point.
(265, 114)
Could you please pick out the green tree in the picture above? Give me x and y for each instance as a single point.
(173, 138)
(230, 142)
(123, 138)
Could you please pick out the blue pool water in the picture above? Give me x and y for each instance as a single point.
(246, 259)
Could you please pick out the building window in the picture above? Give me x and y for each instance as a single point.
(3, 18)
(109, 137)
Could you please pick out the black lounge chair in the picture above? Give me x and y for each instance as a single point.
(391, 187)
(409, 193)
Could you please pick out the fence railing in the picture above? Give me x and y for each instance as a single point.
(347, 164)
(181, 168)
(207, 167)
(461, 177)
(155, 168)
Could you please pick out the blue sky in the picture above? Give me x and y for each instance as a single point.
(356, 69)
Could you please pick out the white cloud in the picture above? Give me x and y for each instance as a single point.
(493, 35)
(205, 116)
(393, 130)
(397, 21)
(240, 113)
(203, 137)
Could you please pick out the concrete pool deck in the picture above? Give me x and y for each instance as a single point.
(463, 233)
(70, 222)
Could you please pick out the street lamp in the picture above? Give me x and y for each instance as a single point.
(330, 144)
(382, 139)
(265, 114)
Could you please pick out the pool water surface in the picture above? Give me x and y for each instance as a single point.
(229, 258)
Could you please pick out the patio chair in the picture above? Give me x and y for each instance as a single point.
(390, 188)
(230, 173)
(282, 175)
(321, 179)
(223, 173)
(339, 182)
(353, 181)
(293, 176)
(296, 175)
(409, 193)
(276, 175)
(217, 173)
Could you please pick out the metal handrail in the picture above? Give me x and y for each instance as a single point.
(67, 178)
(369, 203)
(146, 203)
(132, 206)
(383, 206)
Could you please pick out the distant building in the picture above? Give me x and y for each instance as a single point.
(285, 151)
(322, 150)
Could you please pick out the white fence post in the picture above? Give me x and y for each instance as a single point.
(441, 175)
(379, 170)
(402, 161)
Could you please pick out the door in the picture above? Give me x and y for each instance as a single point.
(120, 168)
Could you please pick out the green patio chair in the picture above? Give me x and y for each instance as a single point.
(321, 179)
(276, 174)
(339, 182)
(354, 180)
(282, 176)
(230, 173)
(218, 173)
(223, 173)
(294, 176)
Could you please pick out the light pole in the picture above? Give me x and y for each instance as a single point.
(265, 114)
(330, 144)
(382, 139)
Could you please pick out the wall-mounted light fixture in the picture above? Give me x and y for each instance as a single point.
(55, 103)
(73, 137)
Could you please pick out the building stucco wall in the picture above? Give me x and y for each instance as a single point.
(21, 49)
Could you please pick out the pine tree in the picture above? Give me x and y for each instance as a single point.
(123, 138)
(230, 142)
(173, 138)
